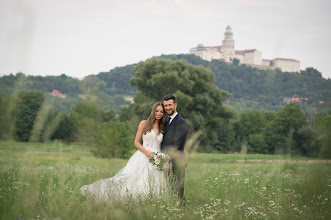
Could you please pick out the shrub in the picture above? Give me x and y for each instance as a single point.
(112, 140)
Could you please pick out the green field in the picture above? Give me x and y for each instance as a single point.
(42, 181)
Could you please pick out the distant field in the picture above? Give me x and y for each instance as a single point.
(40, 181)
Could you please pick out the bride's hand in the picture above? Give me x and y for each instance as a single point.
(149, 154)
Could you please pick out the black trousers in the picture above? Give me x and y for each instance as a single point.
(179, 168)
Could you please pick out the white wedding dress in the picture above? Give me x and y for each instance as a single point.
(138, 179)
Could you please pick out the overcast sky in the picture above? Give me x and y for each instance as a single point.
(83, 37)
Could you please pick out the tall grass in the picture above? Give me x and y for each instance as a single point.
(42, 181)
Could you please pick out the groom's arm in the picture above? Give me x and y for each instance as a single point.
(180, 135)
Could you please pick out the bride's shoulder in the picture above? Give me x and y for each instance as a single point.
(142, 124)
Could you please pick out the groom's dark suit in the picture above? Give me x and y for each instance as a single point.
(173, 143)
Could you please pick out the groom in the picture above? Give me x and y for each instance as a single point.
(174, 138)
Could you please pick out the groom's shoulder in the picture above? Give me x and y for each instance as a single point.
(181, 119)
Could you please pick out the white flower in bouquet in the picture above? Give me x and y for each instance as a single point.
(160, 161)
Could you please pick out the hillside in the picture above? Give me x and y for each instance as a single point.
(250, 88)
(266, 89)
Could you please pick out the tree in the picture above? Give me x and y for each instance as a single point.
(308, 143)
(289, 117)
(118, 79)
(257, 143)
(3, 118)
(26, 112)
(236, 61)
(86, 110)
(310, 71)
(112, 140)
(87, 118)
(200, 102)
(66, 129)
(251, 122)
(286, 127)
(324, 128)
(92, 85)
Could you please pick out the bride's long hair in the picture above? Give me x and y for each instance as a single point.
(151, 119)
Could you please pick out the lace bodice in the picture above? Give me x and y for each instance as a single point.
(152, 140)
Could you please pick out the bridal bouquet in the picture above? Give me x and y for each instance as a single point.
(160, 160)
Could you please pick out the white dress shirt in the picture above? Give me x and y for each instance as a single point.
(172, 117)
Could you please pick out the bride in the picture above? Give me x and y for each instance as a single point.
(139, 178)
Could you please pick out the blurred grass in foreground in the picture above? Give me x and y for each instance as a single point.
(42, 180)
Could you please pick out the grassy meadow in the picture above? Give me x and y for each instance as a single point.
(42, 181)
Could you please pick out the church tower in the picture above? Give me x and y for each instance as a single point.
(228, 50)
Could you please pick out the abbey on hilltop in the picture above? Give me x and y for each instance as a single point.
(252, 57)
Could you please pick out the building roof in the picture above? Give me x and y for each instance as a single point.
(218, 47)
(242, 52)
(286, 59)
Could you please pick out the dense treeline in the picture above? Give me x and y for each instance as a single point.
(250, 88)
(96, 113)
(92, 89)
(27, 116)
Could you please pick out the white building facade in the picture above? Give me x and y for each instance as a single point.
(252, 57)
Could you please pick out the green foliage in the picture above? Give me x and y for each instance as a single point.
(251, 122)
(26, 112)
(308, 141)
(63, 105)
(290, 117)
(85, 117)
(53, 118)
(324, 137)
(107, 116)
(3, 118)
(67, 129)
(86, 110)
(283, 132)
(286, 125)
(251, 88)
(310, 71)
(117, 80)
(8, 116)
(227, 142)
(96, 91)
(199, 100)
(111, 139)
(92, 84)
(257, 143)
(236, 61)
(63, 83)
(106, 94)
(252, 127)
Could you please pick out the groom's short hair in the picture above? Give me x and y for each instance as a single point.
(169, 97)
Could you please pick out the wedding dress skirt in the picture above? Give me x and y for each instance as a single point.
(138, 179)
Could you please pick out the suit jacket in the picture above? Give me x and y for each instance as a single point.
(175, 134)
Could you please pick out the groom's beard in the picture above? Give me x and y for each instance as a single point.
(171, 113)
